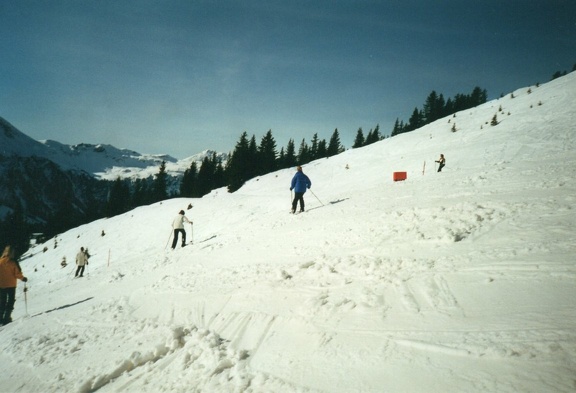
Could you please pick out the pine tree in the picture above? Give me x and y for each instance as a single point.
(359, 140)
(142, 194)
(303, 153)
(219, 174)
(238, 164)
(373, 136)
(377, 134)
(449, 107)
(431, 109)
(478, 97)
(334, 146)
(440, 107)
(205, 182)
(398, 128)
(322, 149)
(290, 156)
(415, 121)
(118, 199)
(281, 159)
(267, 154)
(161, 183)
(494, 121)
(252, 163)
(188, 185)
(314, 147)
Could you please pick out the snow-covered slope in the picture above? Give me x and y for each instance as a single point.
(460, 281)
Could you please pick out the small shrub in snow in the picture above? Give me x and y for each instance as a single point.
(494, 121)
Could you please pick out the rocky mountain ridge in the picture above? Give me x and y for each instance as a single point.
(49, 179)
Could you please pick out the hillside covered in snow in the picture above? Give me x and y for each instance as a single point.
(459, 281)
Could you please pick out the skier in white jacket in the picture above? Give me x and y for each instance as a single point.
(81, 261)
(178, 226)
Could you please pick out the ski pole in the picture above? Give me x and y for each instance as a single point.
(191, 233)
(316, 197)
(168, 242)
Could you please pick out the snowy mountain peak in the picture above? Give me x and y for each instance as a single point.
(15, 143)
(103, 161)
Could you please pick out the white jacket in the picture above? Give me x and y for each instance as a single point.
(178, 222)
(81, 258)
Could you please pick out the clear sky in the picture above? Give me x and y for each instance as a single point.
(182, 76)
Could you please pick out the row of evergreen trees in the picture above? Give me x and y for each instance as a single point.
(125, 194)
(372, 136)
(197, 182)
(559, 74)
(250, 159)
(436, 107)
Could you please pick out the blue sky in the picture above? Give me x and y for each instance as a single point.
(179, 77)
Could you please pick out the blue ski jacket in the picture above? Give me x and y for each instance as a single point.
(300, 182)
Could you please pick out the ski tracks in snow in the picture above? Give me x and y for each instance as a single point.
(187, 358)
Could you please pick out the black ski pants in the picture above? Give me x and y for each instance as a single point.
(7, 299)
(298, 197)
(175, 241)
(79, 271)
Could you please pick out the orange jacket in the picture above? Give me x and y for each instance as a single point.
(9, 272)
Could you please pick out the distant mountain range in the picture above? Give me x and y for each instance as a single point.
(45, 177)
(102, 161)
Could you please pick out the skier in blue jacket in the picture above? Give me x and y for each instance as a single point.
(300, 183)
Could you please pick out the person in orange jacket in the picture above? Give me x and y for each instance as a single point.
(9, 272)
